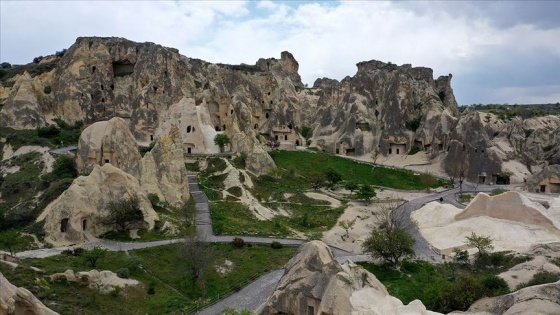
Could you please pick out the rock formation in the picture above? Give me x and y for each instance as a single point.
(383, 110)
(16, 301)
(108, 142)
(79, 209)
(539, 299)
(510, 206)
(104, 281)
(547, 180)
(23, 109)
(163, 170)
(315, 283)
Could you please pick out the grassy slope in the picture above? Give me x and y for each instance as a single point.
(164, 269)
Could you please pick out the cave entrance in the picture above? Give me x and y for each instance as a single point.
(63, 225)
(122, 68)
(84, 224)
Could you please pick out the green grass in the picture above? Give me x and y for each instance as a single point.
(303, 164)
(163, 269)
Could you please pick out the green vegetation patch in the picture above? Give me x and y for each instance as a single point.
(164, 274)
(304, 164)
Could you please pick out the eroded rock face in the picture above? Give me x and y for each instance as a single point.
(108, 142)
(14, 300)
(385, 107)
(78, 210)
(315, 283)
(163, 170)
(539, 299)
(23, 108)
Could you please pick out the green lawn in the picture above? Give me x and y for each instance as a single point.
(164, 271)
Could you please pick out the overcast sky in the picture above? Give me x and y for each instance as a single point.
(498, 52)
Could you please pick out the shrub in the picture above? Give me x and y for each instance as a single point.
(65, 167)
(47, 89)
(414, 150)
(123, 273)
(276, 245)
(540, 277)
(240, 161)
(151, 288)
(238, 242)
(495, 285)
(48, 132)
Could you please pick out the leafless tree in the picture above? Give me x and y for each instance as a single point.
(389, 218)
(196, 257)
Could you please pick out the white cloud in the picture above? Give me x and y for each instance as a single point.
(327, 38)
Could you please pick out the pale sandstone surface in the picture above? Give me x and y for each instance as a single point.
(16, 301)
(86, 199)
(516, 227)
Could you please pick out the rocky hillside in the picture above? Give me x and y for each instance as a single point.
(384, 110)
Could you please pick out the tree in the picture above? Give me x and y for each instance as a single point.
(460, 256)
(366, 193)
(482, 243)
(10, 240)
(196, 257)
(65, 167)
(333, 177)
(92, 256)
(317, 180)
(306, 132)
(347, 225)
(221, 140)
(390, 240)
(390, 246)
(351, 186)
(123, 213)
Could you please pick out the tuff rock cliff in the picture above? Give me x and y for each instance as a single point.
(383, 110)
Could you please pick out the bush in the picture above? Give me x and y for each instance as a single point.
(65, 167)
(414, 150)
(495, 285)
(123, 273)
(238, 242)
(240, 161)
(540, 277)
(459, 295)
(276, 245)
(48, 132)
(47, 89)
(151, 288)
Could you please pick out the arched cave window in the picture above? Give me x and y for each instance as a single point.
(276, 137)
(297, 142)
(101, 87)
(290, 126)
(188, 129)
(268, 93)
(93, 69)
(151, 137)
(231, 112)
(112, 87)
(266, 115)
(84, 224)
(285, 137)
(63, 225)
(256, 126)
(224, 127)
(188, 150)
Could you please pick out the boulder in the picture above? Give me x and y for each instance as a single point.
(108, 142)
(163, 170)
(14, 300)
(315, 283)
(78, 210)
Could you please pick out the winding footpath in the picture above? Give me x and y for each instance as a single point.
(254, 294)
